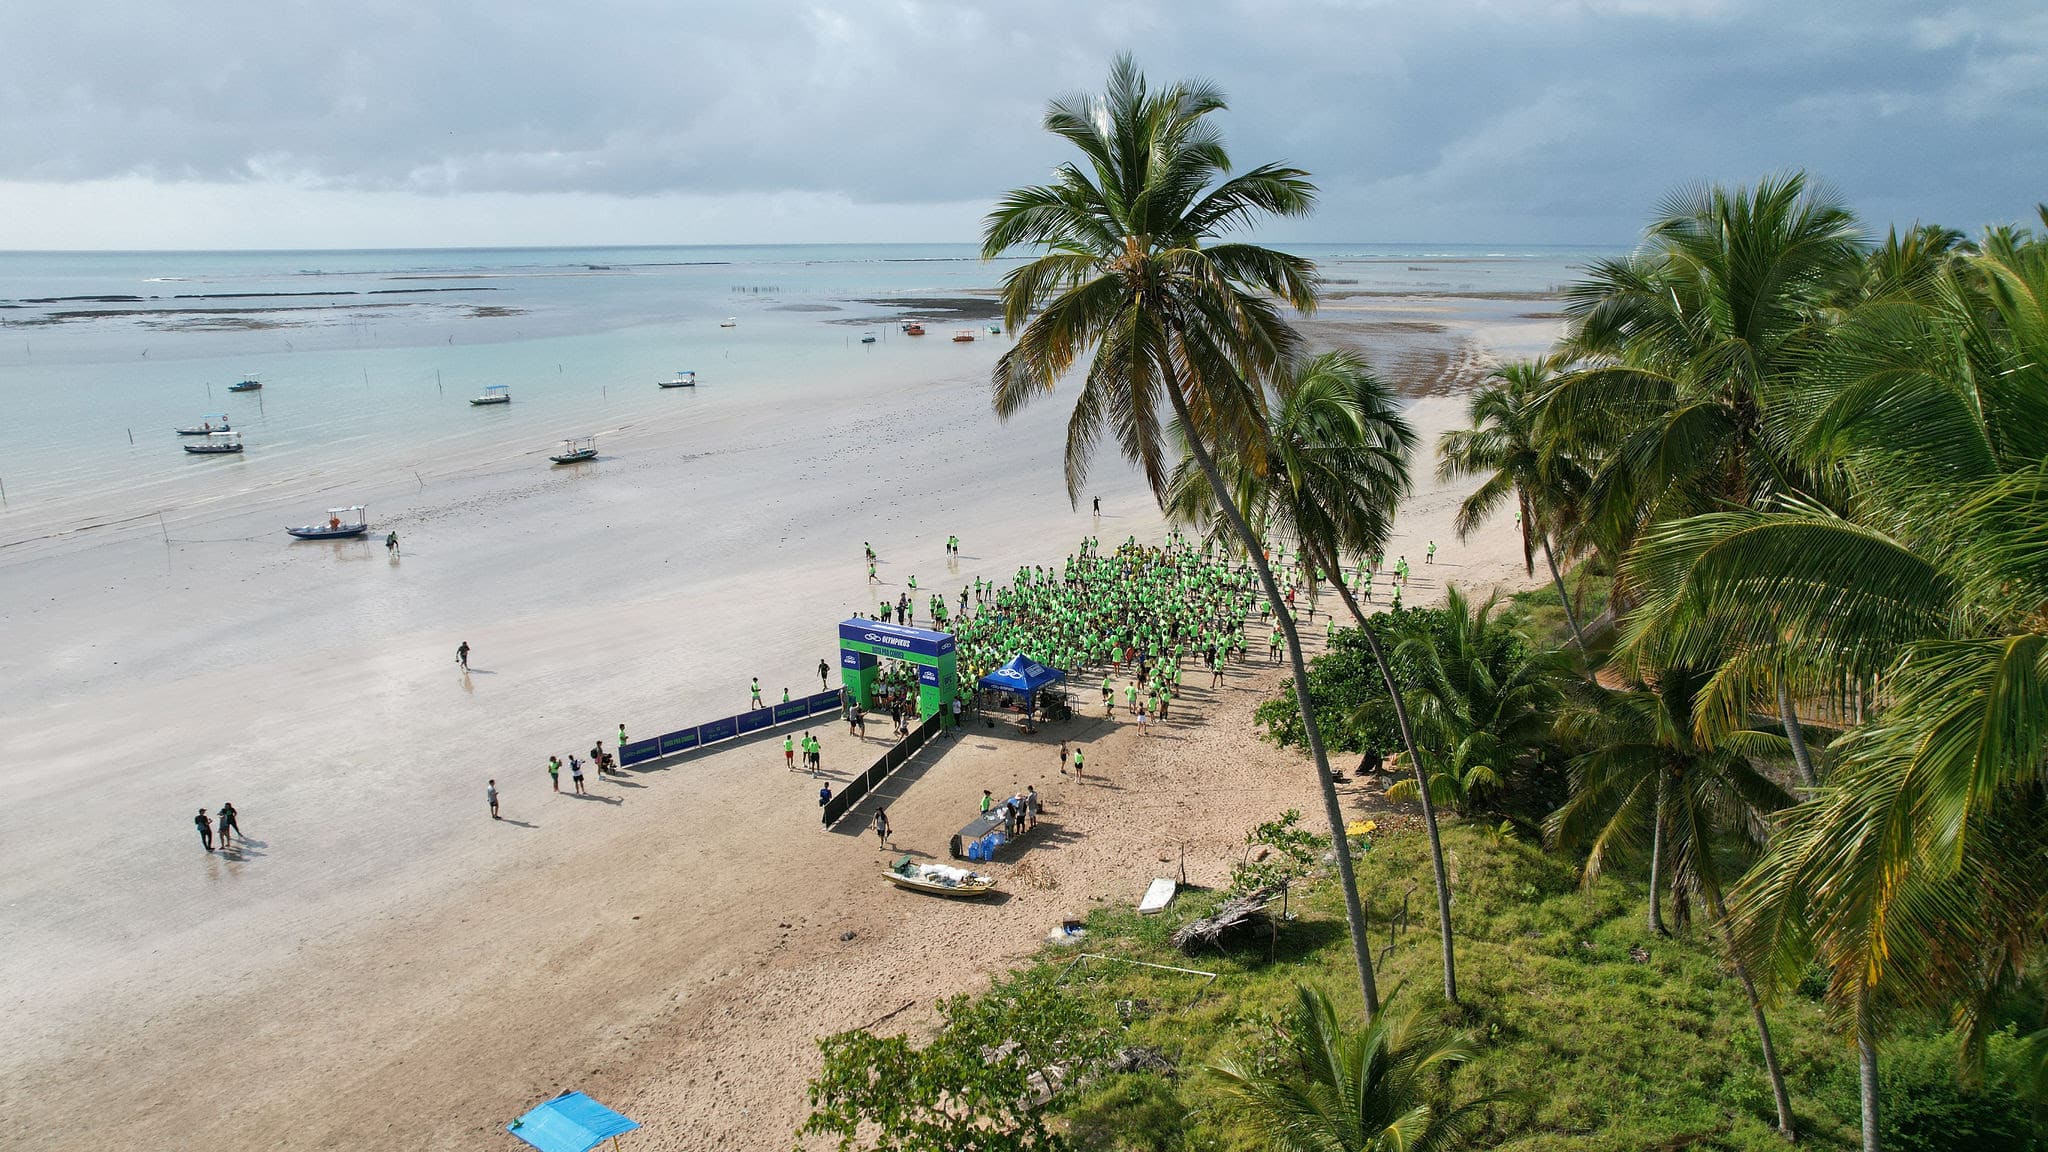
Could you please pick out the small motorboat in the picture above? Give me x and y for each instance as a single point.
(493, 394)
(576, 451)
(729, 322)
(682, 380)
(216, 444)
(964, 336)
(913, 329)
(208, 427)
(251, 384)
(868, 339)
(336, 528)
(938, 879)
(995, 329)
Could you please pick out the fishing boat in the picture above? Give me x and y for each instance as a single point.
(207, 428)
(493, 394)
(576, 451)
(913, 329)
(729, 322)
(336, 527)
(682, 380)
(964, 336)
(216, 444)
(250, 384)
(868, 339)
(938, 879)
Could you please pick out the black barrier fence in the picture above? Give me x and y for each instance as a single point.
(754, 720)
(899, 754)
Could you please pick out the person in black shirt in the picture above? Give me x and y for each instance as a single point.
(205, 829)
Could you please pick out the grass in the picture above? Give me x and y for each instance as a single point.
(1621, 1040)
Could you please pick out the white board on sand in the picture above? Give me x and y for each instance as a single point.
(1157, 897)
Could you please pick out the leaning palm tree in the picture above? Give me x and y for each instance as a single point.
(1502, 445)
(1182, 325)
(1373, 1090)
(1329, 474)
(1643, 778)
(1925, 595)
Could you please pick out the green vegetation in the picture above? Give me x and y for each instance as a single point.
(1794, 684)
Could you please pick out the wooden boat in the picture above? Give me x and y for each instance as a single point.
(938, 879)
(336, 528)
(682, 380)
(493, 394)
(913, 329)
(216, 444)
(576, 451)
(964, 336)
(207, 428)
(251, 384)
(729, 322)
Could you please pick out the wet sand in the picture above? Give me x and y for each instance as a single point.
(384, 963)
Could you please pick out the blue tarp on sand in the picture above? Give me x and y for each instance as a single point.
(1022, 675)
(571, 1122)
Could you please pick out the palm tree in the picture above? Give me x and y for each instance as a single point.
(1503, 446)
(1482, 697)
(1330, 473)
(1643, 777)
(1904, 871)
(1373, 1090)
(1181, 324)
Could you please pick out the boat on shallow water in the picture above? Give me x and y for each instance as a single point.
(995, 329)
(729, 322)
(336, 528)
(964, 336)
(576, 451)
(682, 380)
(493, 394)
(251, 384)
(216, 444)
(868, 339)
(208, 427)
(938, 879)
(913, 329)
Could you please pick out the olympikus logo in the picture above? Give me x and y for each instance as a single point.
(892, 641)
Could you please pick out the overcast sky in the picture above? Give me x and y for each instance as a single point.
(144, 124)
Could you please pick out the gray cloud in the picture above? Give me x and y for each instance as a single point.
(1483, 121)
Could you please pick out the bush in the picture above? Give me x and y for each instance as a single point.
(1344, 685)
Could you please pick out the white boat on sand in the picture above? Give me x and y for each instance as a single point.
(938, 879)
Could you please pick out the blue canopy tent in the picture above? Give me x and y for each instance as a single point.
(1024, 676)
(571, 1122)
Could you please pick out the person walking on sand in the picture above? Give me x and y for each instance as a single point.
(785, 695)
(224, 826)
(824, 676)
(789, 753)
(756, 701)
(1077, 765)
(555, 773)
(824, 795)
(622, 738)
(462, 655)
(1429, 553)
(205, 827)
(576, 774)
(1063, 757)
(491, 795)
(882, 827)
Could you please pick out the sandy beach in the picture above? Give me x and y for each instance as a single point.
(382, 963)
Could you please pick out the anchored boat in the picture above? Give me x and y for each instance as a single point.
(216, 444)
(964, 336)
(729, 322)
(938, 879)
(682, 380)
(576, 451)
(493, 394)
(250, 384)
(868, 339)
(913, 329)
(207, 428)
(336, 528)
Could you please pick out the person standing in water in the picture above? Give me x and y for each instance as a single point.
(1098, 505)
(462, 655)
(391, 543)
(225, 825)
(205, 827)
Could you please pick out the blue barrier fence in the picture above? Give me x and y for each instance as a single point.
(750, 721)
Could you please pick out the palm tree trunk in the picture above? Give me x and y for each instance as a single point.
(1866, 1073)
(1436, 842)
(1354, 914)
(1563, 597)
(1779, 1097)
(1657, 860)
(1796, 733)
